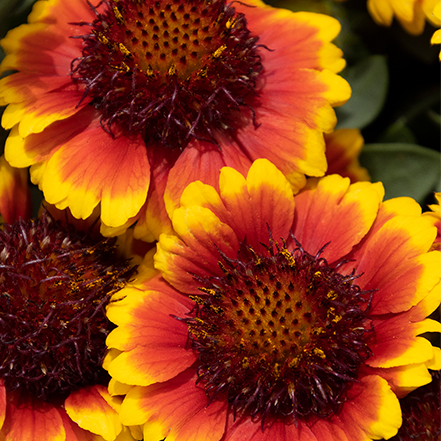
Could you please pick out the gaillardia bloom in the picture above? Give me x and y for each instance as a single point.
(281, 317)
(55, 283)
(411, 14)
(120, 102)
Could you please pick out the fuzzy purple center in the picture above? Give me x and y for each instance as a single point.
(172, 70)
(280, 335)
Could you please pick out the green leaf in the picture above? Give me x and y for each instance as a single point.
(369, 82)
(404, 169)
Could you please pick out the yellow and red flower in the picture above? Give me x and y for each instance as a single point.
(411, 14)
(119, 103)
(277, 316)
(55, 282)
(343, 147)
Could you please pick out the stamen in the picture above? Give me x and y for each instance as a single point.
(286, 320)
(171, 70)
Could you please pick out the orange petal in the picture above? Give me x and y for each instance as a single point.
(15, 196)
(91, 412)
(2, 403)
(33, 421)
(396, 341)
(330, 210)
(201, 161)
(176, 409)
(248, 429)
(343, 148)
(196, 250)
(154, 218)
(263, 200)
(91, 168)
(401, 274)
(153, 340)
(371, 411)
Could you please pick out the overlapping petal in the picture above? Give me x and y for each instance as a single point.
(343, 147)
(412, 15)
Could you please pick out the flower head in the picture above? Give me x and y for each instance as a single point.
(56, 283)
(119, 103)
(277, 316)
(412, 15)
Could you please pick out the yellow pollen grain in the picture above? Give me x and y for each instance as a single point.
(245, 363)
(257, 259)
(197, 300)
(294, 362)
(331, 312)
(288, 256)
(101, 37)
(331, 295)
(218, 52)
(149, 71)
(317, 331)
(337, 318)
(222, 267)
(203, 72)
(172, 70)
(230, 23)
(319, 352)
(124, 50)
(212, 292)
(118, 16)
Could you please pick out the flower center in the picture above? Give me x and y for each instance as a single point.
(171, 69)
(55, 284)
(279, 335)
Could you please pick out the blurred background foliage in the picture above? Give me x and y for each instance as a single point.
(395, 80)
(395, 101)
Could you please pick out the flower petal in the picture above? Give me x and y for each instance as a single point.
(196, 251)
(343, 147)
(330, 210)
(402, 273)
(151, 338)
(33, 421)
(88, 408)
(201, 161)
(117, 176)
(247, 429)
(191, 420)
(2, 403)
(15, 196)
(372, 411)
(390, 351)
